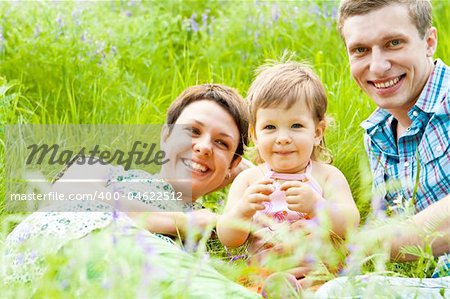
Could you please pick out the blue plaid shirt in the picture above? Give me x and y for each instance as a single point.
(416, 170)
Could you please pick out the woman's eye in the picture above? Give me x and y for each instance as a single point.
(296, 126)
(269, 127)
(192, 130)
(222, 143)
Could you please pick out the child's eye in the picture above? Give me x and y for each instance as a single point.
(269, 127)
(296, 126)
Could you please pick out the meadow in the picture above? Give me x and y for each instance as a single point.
(123, 62)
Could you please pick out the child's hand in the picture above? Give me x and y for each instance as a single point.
(254, 197)
(300, 197)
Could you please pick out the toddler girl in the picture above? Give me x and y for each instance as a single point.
(287, 105)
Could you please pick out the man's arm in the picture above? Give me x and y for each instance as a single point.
(420, 228)
(429, 227)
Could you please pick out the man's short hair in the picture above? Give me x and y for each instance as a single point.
(420, 11)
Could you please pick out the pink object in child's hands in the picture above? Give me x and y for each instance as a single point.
(277, 208)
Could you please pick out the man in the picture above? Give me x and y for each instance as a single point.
(390, 45)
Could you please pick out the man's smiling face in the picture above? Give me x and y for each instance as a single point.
(388, 58)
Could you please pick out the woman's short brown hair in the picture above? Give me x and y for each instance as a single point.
(224, 96)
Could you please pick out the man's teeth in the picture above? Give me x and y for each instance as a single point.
(196, 166)
(387, 84)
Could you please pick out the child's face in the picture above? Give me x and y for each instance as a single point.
(285, 138)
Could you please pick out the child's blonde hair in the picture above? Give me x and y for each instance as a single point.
(283, 84)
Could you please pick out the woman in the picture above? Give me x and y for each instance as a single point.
(214, 119)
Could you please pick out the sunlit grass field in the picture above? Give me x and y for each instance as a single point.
(123, 62)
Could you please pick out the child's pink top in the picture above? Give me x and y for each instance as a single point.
(277, 207)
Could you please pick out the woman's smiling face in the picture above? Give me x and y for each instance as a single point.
(200, 148)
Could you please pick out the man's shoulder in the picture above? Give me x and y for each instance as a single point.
(442, 109)
(434, 96)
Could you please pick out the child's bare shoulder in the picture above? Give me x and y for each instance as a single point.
(326, 171)
(250, 175)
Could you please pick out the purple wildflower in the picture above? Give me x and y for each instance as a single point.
(19, 260)
(127, 13)
(33, 256)
(141, 240)
(115, 214)
(352, 266)
(315, 10)
(378, 206)
(310, 259)
(147, 268)
(275, 13)
(114, 240)
(23, 234)
(2, 39)
(75, 14)
(226, 250)
(256, 36)
(365, 278)
(352, 248)
(204, 19)
(106, 284)
(113, 50)
(238, 257)
(193, 23)
(59, 21)
(134, 2)
(334, 13)
(64, 284)
(37, 31)
(313, 223)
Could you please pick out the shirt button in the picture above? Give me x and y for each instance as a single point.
(438, 148)
(406, 164)
(415, 113)
(408, 129)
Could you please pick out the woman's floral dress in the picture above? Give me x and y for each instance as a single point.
(47, 230)
(163, 268)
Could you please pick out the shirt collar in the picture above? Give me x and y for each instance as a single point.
(377, 117)
(435, 89)
(429, 100)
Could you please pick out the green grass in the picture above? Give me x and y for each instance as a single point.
(124, 62)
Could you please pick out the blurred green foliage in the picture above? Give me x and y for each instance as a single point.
(117, 62)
